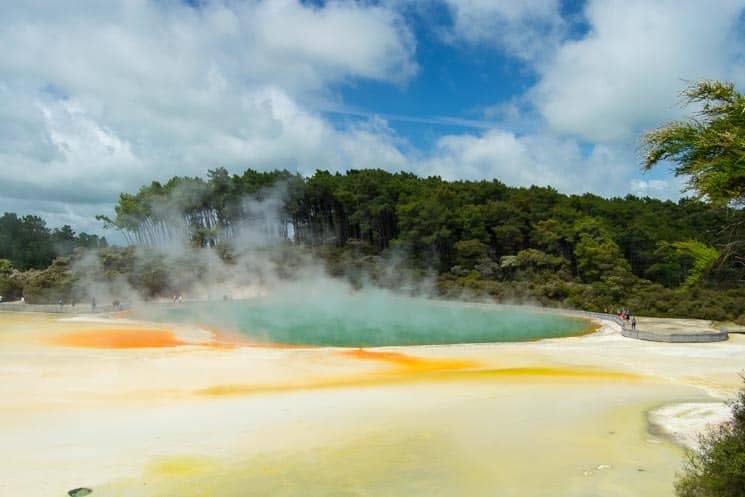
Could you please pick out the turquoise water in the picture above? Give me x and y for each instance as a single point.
(368, 319)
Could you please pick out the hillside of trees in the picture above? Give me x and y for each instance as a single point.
(27, 243)
(480, 239)
(28, 248)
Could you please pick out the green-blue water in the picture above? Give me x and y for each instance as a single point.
(368, 319)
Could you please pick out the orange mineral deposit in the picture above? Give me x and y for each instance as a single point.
(118, 338)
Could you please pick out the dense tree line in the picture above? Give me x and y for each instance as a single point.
(27, 243)
(29, 250)
(580, 250)
(479, 237)
(441, 224)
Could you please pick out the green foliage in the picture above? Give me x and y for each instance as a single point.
(537, 259)
(671, 265)
(482, 236)
(710, 149)
(28, 243)
(702, 255)
(149, 274)
(11, 285)
(478, 237)
(25, 241)
(423, 217)
(596, 253)
(470, 252)
(48, 285)
(6, 267)
(202, 212)
(717, 467)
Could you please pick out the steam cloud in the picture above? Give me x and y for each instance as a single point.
(256, 256)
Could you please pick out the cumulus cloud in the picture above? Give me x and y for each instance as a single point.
(533, 159)
(658, 188)
(96, 99)
(624, 75)
(528, 29)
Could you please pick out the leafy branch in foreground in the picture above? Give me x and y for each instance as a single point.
(710, 148)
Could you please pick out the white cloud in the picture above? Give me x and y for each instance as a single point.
(528, 29)
(93, 164)
(171, 46)
(96, 99)
(342, 38)
(532, 159)
(625, 74)
(657, 188)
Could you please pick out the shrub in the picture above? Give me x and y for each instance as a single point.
(48, 285)
(11, 286)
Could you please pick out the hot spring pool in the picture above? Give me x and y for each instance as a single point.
(369, 319)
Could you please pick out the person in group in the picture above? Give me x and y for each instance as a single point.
(633, 323)
(23, 299)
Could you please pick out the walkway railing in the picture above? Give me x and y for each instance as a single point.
(63, 309)
(680, 337)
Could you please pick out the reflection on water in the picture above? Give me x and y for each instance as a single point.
(574, 437)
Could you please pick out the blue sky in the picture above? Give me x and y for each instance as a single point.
(96, 99)
(455, 80)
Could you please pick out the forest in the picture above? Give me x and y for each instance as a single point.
(473, 239)
(27, 243)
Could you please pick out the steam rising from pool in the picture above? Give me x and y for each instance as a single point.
(372, 318)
